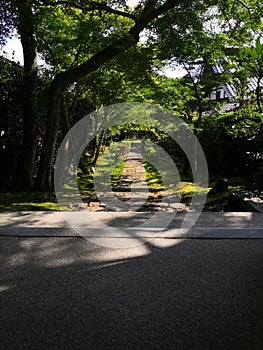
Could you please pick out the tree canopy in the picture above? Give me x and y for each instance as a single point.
(102, 52)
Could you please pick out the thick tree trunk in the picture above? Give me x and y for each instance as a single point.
(25, 169)
(64, 79)
(44, 176)
(64, 115)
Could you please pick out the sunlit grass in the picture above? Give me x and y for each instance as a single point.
(116, 174)
(18, 201)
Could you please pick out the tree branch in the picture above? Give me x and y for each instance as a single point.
(104, 7)
(76, 56)
(130, 39)
(51, 53)
(93, 5)
(244, 5)
(56, 3)
(148, 14)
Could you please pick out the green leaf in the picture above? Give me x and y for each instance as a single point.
(259, 46)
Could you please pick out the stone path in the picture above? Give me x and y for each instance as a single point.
(132, 187)
(133, 179)
(132, 192)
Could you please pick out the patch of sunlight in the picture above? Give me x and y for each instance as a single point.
(4, 288)
(247, 215)
(36, 206)
(59, 262)
(29, 244)
(188, 187)
(17, 259)
(165, 243)
(103, 257)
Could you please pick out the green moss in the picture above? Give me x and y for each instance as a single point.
(116, 174)
(153, 177)
(106, 162)
(18, 201)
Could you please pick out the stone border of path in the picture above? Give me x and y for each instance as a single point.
(209, 225)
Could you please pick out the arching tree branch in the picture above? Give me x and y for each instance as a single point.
(92, 6)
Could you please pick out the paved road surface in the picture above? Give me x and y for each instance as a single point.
(68, 293)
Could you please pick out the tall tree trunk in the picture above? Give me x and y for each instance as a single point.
(64, 79)
(97, 150)
(258, 94)
(44, 176)
(64, 115)
(25, 169)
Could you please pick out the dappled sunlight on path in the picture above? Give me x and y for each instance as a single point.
(132, 192)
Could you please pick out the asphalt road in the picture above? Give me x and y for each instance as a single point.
(67, 293)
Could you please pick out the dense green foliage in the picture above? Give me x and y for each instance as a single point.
(94, 58)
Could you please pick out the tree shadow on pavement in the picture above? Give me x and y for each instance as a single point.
(67, 293)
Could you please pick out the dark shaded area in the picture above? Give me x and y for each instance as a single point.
(238, 204)
(66, 293)
(255, 182)
(231, 153)
(10, 119)
(220, 187)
